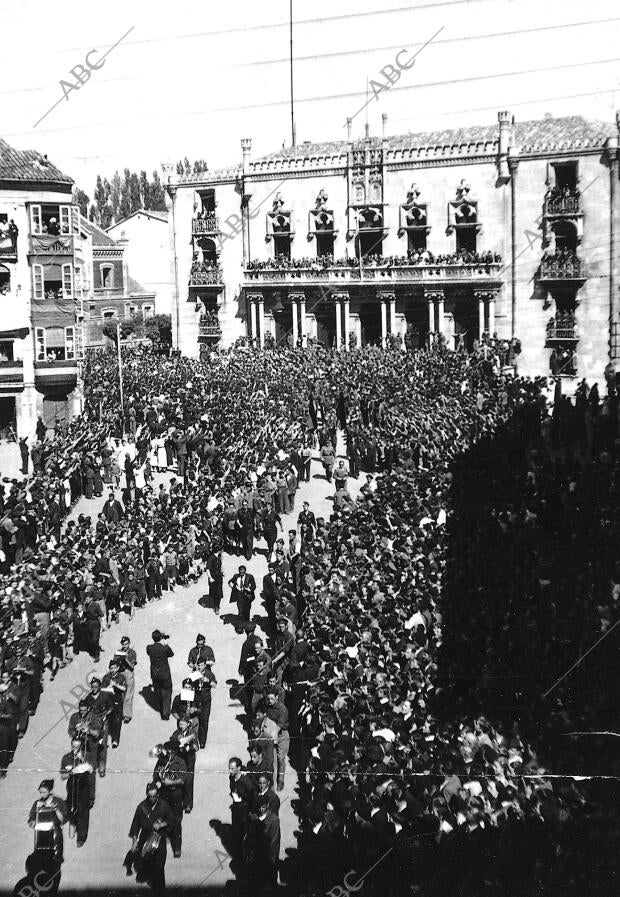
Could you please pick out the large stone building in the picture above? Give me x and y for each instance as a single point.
(41, 264)
(506, 229)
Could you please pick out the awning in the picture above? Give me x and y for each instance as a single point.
(18, 333)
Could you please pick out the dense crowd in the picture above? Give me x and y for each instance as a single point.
(411, 635)
(373, 260)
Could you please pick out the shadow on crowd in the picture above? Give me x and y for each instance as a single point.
(531, 585)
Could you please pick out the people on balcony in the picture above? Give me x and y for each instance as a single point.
(413, 257)
(562, 324)
(563, 263)
(562, 192)
(210, 269)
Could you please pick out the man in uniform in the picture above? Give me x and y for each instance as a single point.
(161, 678)
(245, 519)
(76, 771)
(130, 660)
(203, 687)
(100, 705)
(201, 651)
(171, 772)
(81, 726)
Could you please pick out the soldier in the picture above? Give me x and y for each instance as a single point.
(47, 816)
(130, 660)
(200, 651)
(203, 687)
(171, 772)
(115, 684)
(100, 706)
(81, 726)
(76, 771)
(185, 743)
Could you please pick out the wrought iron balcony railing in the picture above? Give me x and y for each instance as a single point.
(206, 225)
(562, 331)
(379, 274)
(206, 277)
(562, 269)
(563, 205)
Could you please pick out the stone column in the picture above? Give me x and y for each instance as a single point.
(253, 300)
(431, 314)
(261, 322)
(481, 327)
(440, 321)
(383, 321)
(338, 323)
(302, 321)
(392, 328)
(295, 310)
(491, 315)
(347, 321)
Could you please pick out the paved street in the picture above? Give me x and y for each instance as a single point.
(99, 862)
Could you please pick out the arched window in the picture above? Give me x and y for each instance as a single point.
(5, 280)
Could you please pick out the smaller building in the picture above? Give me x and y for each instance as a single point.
(144, 234)
(111, 292)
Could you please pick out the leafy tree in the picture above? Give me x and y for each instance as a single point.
(81, 199)
(159, 329)
(115, 195)
(157, 195)
(135, 197)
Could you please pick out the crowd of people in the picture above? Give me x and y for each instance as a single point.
(408, 633)
(374, 260)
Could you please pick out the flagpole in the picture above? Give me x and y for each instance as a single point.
(291, 68)
(120, 374)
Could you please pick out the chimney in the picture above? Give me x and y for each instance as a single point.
(367, 131)
(505, 134)
(349, 124)
(246, 146)
(383, 123)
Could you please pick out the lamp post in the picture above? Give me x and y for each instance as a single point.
(120, 375)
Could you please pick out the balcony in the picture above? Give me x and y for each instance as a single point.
(47, 244)
(8, 252)
(560, 204)
(388, 274)
(209, 330)
(210, 225)
(56, 375)
(206, 277)
(11, 375)
(562, 329)
(562, 268)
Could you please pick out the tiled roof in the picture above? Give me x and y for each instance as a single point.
(100, 237)
(160, 216)
(134, 288)
(542, 134)
(28, 165)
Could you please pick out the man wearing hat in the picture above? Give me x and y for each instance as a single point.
(161, 677)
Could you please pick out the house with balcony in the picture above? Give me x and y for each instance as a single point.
(407, 238)
(41, 260)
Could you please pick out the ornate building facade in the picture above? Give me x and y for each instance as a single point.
(41, 267)
(507, 230)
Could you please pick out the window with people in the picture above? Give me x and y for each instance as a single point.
(55, 344)
(53, 219)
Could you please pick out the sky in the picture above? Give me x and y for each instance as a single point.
(192, 78)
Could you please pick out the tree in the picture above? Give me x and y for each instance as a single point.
(115, 195)
(145, 190)
(159, 329)
(157, 196)
(99, 198)
(124, 209)
(135, 197)
(81, 199)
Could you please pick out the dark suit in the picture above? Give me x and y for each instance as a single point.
(160, 675)
(271, 593)
(243, 590)
(245, 519)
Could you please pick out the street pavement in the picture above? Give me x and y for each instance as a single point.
(204, 864)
